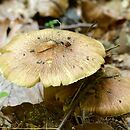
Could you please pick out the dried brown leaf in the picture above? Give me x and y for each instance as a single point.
(53, 8)
(104, 14)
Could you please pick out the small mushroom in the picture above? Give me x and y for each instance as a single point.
(109, 96)
(51, 56)
(58, 96)
(93, 126)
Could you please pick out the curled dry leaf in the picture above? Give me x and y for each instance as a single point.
(18, 9)
(104, 14)
(14, 9)
(15, 27)
(108, 97)
(3, 31)
(14, 19)
(19, 26)
(8, 10)
(17, 95)
(53, 8)
(52, 56)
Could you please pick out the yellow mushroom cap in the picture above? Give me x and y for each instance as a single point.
(51, 56)
(108, 97)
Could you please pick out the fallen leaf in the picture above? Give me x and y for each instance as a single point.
(53, 8)
(11, 9)
(104, 13)
(18, 95)
(9, 29)
(3, 31)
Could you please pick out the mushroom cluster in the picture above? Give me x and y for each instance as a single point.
(61, 58)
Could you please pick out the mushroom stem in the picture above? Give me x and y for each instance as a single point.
(73, 103)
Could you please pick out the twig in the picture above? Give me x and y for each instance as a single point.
(124, 67)
(73, 26)
(65, 119)
(93, 25)
(73, 103)
(78, 25)
(5, 118)
(111, 48)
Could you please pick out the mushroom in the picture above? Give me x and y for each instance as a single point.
(93, 126)
(109, 96)
(60, 96)
(61, 93)
(51, 56)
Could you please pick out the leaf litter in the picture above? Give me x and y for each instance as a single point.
(112, 20)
